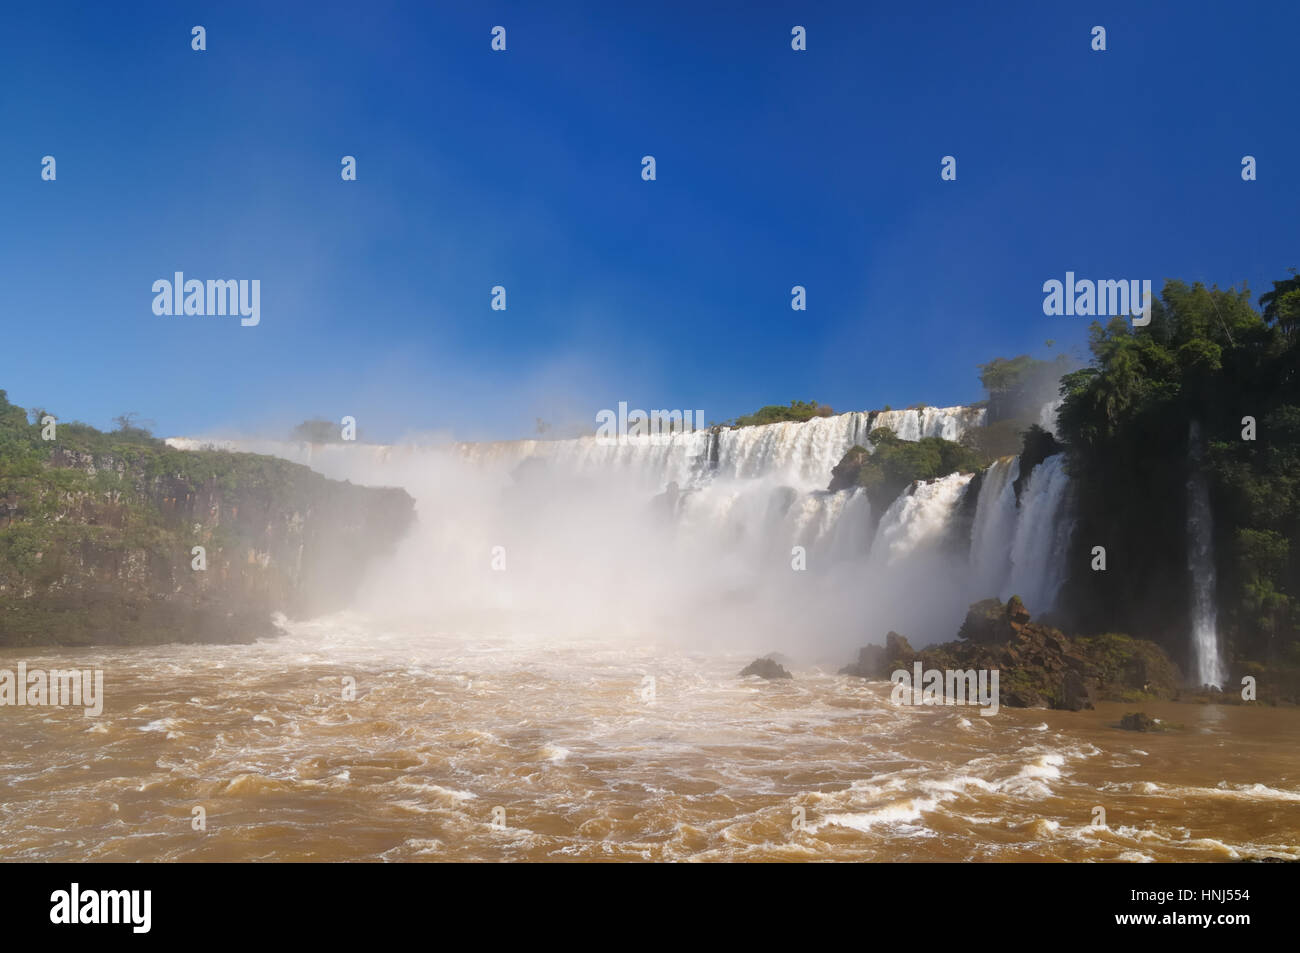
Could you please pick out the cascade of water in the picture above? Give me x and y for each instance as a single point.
(1047, 416)
(1042, 537)
(947, 422)
(1206, 654)
(586, 525)
(918, 520)
(801, 454)
(993, 531)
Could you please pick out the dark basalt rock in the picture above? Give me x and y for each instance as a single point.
(1076, 692)
(1038, 666)
(1038, 446)
(844, 475)
(878, 661)
(986, 623)
(765, 668)
(1138, 721)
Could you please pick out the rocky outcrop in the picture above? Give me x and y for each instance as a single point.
(1138, 721)
(1077, 691)
(878, 661)
(844, 475)
(1038, 666)
(1039, 444)
(98, 537)
(765, 668)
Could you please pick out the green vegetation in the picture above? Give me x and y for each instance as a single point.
(1207, 356)
(897, 463)
(96, 533)
(798, 412)
(1138, 668)
(1018, 388)
(1038, 664)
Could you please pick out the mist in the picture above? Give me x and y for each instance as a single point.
(691, 539)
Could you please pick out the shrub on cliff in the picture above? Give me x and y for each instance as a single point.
(798, 412)
(1018, 387)
(1132, 669)
(896, 463)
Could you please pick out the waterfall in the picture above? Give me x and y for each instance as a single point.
(1039, 547)
(1200, 564)
(930, 422)
(799, 454)
(1047, 415)
(994, 528)
(1021, 548)
(918, 520)
(704, 535)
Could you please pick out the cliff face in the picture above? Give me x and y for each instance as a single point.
(97, 533)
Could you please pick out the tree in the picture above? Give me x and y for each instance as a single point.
(129, 424)
(1282, 304)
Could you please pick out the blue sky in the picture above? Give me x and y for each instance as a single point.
(522, 168)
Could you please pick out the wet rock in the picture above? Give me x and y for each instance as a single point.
(1038, 446)
(1076, 692)
(765, 668)
(1138, 721)
(898, 649)
(844, 475)
(1017, 614)
(985, 623)
(878, 661)
(1038, 665)
(870, 663)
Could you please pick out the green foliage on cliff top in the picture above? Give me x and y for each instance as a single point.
(1207, 356)
(1018, 387)
(798, 412)
(896, 463)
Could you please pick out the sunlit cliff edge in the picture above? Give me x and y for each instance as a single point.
(98, 537)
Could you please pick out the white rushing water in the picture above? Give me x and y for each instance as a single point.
(1047, 416)
(1042, 536)
(1200, 563)
(723, 539)
(800, 454)
(995, 527)
(918, 521)
(1021, 547)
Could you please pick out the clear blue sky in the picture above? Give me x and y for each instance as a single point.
(522, 168)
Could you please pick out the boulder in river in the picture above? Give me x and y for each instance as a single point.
(765, 668)
(1138, 721)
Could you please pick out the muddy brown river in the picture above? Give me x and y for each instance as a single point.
(343, 741)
